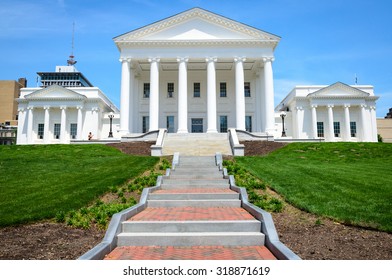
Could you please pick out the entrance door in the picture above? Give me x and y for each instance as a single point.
(197, 125)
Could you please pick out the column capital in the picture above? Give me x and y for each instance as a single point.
(46, 107)
(372, 107)
(63, 107)
(239, 59)
(346, 105)
(30, 108)
(330, 106)
(183, 59)
(211, 59)
(125, 59)
(21, 109)
(363, 106)
(313, 106)
(154, 59)
(268, 59)
(298, 108)
(95, 109)
(79, 107)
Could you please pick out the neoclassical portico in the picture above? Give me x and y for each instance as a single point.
(338, 112)
(219, 70)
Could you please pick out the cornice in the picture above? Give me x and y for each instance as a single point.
(165, 43)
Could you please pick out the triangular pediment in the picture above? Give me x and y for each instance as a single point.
(55, 92)
(196, 24)
(339, 90)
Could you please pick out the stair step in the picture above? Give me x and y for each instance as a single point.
(194, 196)
(192, 226)
(195, 203)
(191, 182)
(197, 176)
(191, 239)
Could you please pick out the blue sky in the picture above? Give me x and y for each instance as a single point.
(323, 41)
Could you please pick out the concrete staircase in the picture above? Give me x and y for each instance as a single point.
(196, 144)
(194, 207)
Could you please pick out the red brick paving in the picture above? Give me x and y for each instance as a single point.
(192, 214)
(191, 253)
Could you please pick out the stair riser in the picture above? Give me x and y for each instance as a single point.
(185, 226)
(165, 240)
(194, 186)
(195, 196)
(196, 176)
(193, 203)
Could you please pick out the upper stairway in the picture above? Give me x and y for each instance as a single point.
(196, 144)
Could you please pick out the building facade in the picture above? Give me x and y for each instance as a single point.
(197, 72)
(338, 112)
(9, 92)
(65, 108)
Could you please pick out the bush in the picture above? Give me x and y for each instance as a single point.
(245, 179)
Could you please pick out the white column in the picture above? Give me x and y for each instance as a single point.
(182, 96)
(30, 120)
(125, 92)
(46, 125)
(21, 139)
(154, 93)
(95, 122)
(269, 95)
(374, 123)
(63, 124)
(299, 118)
(330, 133)
(364, 123)
(239, 93)
(347, 130)
(211, 95)
(314, 121)
(260, 101)
(80, 123)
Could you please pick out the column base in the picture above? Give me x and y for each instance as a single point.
(212, 130)
(182, 131)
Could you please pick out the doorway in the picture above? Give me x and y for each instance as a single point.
(197, 125)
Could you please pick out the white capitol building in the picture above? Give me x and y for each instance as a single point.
(198, 72)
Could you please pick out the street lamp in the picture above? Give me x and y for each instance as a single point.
(283, 115)
(111, 120)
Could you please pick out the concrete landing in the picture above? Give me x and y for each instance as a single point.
(196, 144)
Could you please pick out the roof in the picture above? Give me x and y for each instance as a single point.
(196, 25)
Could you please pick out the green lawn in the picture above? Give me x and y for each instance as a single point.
(36, 182)
(349, 182)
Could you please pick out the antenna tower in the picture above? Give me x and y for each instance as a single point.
(71, 61)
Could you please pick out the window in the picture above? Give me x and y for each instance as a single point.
(247, 89)
(336, 129)
(223, 124)
(196, 89)
(223, 90)
(197, 125)
(170, 124)
(74, 130)
(146, 90)
(170, 90)
(248, 123)
(146, 123)
(320, 129)
(353, 129)
(41, 131)
(57, 129)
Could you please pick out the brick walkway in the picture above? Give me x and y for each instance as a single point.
(191, 253)
(192, 214)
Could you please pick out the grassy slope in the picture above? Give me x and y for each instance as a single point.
(349, 182)
(36, 182)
